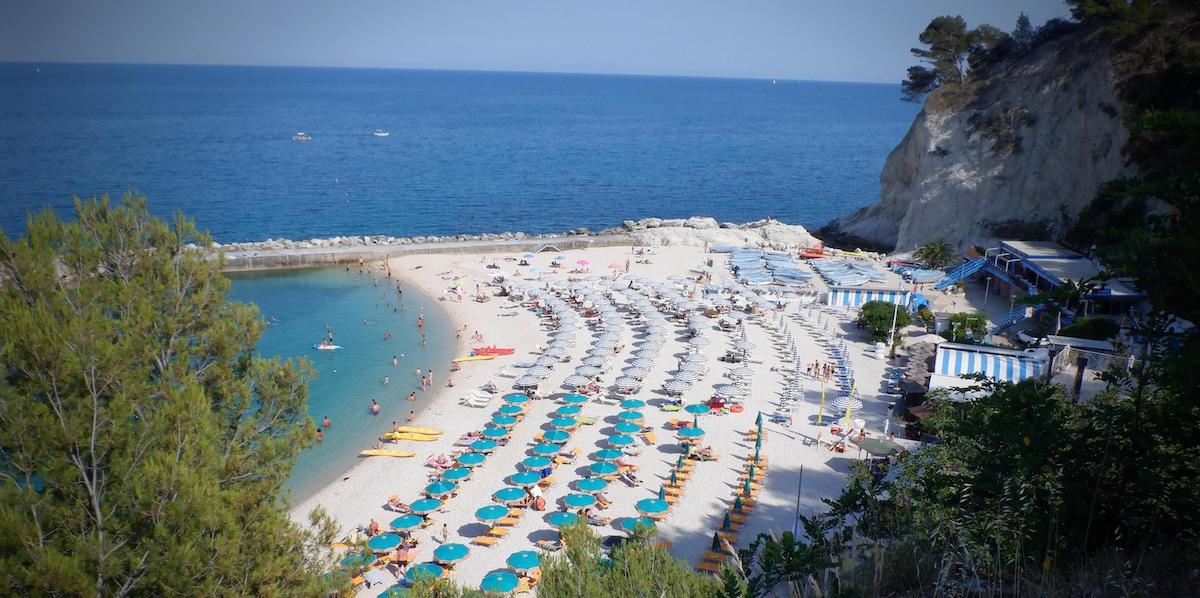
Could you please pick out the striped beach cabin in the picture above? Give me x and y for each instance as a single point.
(855, 297)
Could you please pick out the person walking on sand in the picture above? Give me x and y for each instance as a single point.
(412, 416)
(445, 533)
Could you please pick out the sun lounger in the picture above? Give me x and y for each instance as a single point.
(498, 532)
(650, 437)
(508, 522)
(516, 512)
(483, 540)
(546, 482)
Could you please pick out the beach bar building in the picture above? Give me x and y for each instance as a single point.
(1030, 267)
(856, 296)
(954, 361)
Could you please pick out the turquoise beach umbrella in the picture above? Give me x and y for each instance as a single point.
(575, 398)
(515, 397)
(509, 494)
(483, 445)
(524, 559)
(716, 543)
(674, 478)
(456, 474)
(691, 433)
(630, 416)
(451, 552)
(627, 428)
(662, 493)
(525, 478)
(651, 506)
(697, 408)
(591, 485)
(423, 571)
(396, 591)
(750, 472)
(679, 465)
(441, 488)
(568, 410)
(490, 432)
(504, 420)
(603, 468)
(737, 504)
(758, 420)
(631, 404)
(579, 501)
(356, 559)
(425, 505)
(546, 449)
(726, 524)
(606, 455)
(556, 436)
(758, 442)
(619, 440)
(564, 422)
(562, 518)
(510, 410)
(632, 524)
(499, 582)
(757, 457)
(536, 462)
(404, 522)
(491, 513)
(384, 541)
(472, 459)
(746, 488)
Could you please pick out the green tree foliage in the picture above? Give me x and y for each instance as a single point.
(936, 254)
(1095, 328)
(877, 316)
(772, 561)
(951, 51)
(966, 326)
(1022, 34)
(144, 445)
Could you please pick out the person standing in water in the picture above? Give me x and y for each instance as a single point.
(385, 380)
(374, 407)
(412, 396)
(430, 379)
(395, 361)
(325, 422)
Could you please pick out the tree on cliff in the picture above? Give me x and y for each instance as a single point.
(951, 52)
(936, 254)
(144, 445)
(1022, 34)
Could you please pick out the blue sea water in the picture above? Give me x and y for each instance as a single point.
(468, 152)
(299, 306)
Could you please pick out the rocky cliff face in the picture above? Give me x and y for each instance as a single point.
(1012, 156)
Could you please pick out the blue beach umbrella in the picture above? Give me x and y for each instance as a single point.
(631, 416)
(631, 524)
(564, 422)
(516, 397)
(490, 432)
(504, 421)
(510, 409)
(651, 506)
(606, 455)
(359, 559)
(619, 441)
(575, 399)
(500, 582)
(491, 513)
(691, 433)
(627, 428)
(579, 500)
(425, 505)
(384, 541)
(396, 591)
(472, 459)
(525, 478)
(509, 494)
(451, 552)
(556, 436)
(523, 559)
(561, 519)
(632, 404)
(483, 445)
(603, 468)
(442, 488)
(423, 571)
(404, 522)
(538, 462)
(568, 411)
(591, 485)
(546, 449)
(456, 474)
(697, 408)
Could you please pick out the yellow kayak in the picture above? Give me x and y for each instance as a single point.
(385, 453)
(473, 358)
(416, 430)
(411, 436)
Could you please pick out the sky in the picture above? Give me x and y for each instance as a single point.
(835, 40)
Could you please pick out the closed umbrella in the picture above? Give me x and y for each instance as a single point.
(726, 523)
(716, 542)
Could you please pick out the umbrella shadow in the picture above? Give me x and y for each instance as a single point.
(470, 530)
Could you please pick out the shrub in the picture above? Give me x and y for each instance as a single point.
(876, 316)
(1091, 328)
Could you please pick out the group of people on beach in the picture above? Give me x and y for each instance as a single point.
(821, 371)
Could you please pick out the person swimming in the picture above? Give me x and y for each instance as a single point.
(374, 407)
(325, 422)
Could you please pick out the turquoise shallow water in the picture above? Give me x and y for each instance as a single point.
(299, 305)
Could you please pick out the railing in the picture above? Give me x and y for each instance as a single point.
(1011, 318)
(961, 272)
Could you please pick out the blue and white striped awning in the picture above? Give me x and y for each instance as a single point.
(959, 360)
(855, 297)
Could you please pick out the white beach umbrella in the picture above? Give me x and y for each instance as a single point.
(743, 344)
(641, 362)
(687, 375)
(675, 386)
(741, 372)
(539, 371)
(627, 382)
(699, 341)
(635, 372)
(691, 366)
(730, 390)
(575, 380)
(527, 382)
(554, 352)
(845, 401)
(595, 360)
(546, 361)
(587, 370)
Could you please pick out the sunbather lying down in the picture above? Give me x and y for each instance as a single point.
(704, 454)
(395, 504)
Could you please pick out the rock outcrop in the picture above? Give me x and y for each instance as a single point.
(1014, 155)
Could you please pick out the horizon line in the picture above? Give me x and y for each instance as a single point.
(444, 69)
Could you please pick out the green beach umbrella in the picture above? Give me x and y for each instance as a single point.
(662, 493)
(716, 543)
(525, 478)
(456, 474)
(404, 522)
(384, 541)
(726, 523)
(579, 500)
(472, 459)
(627, 428)
(425, 505)
(737, 504)
(537, 462)
(562, 518)
(491, 513)
(509, 495)
(423, 571)
(523, 559)
(451, 552)
(500, 582)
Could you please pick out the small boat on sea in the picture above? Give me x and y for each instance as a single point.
(380, 133)
(301, 136)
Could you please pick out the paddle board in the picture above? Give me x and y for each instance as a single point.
(321, 347)
(416, 430)
(411, 436)
(385, 453)
(474, 358)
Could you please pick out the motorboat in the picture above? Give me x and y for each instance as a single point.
(380, 133)
(301, 136)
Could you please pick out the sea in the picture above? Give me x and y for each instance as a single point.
(465, 153)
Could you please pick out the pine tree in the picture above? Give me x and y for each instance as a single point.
(144, 445)
(1022, 34)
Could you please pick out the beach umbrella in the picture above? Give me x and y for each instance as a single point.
(559, 258)
(568, 411)
(743, 345)
(757, 457)
(441, 488)
(674, 479)
(697, 408)
(641, 362)
(606, 455)
(456, 474)
(647, 352)
(731, 390)
(700, 341)
(564, 422)
(758, 420)
(679, 465)
(631, 404)
(611, 335)
(604, 344)
(726, 523)
(451, 552)
(538, 371)
(879, 447)
(423, 571)
(746, 489)
(555, 353)
(575, 381)
(494, 433)
(676, 386)
(557, 436)
(632, 524)
(500, 582)
(603, 468)
(630, 416)
(591, 485)
(536, 462)
(596, 360)
(737, 504)
(716, 543)
(758, 442)
(582, 262)
(527, 256)
(635, 372)
(525, 478)
(687, 375)
(546, 361)
(472, 459)
(691, 433)
(579, 500)
(384, 541)
(652, 506)
(546, 449)
(504, 421)
(627, 428)
(425, 505)
(508, 494)
(588, 370)
(404, 522)
(627, 382)
(357, 559)
(691, 366)
(620, 441)
(741, 372)
(523, 560)
(515, 397)
(483, 445)
(750, 472)
(527, 381)
(491, 513)
(562, 518)
(662, 493)
(575, 399)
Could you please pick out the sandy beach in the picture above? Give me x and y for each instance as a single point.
(689, 525)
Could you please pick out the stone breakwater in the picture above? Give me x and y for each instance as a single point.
(694, 231)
